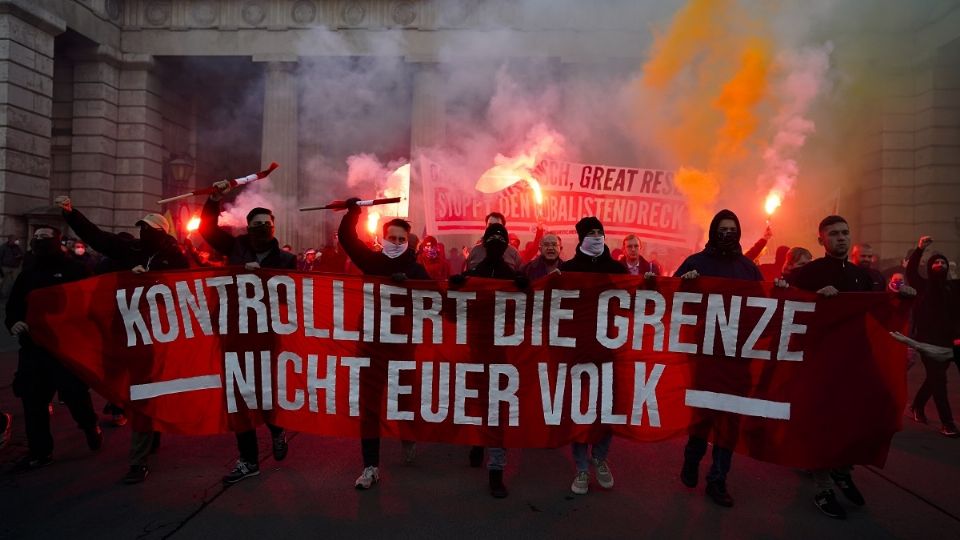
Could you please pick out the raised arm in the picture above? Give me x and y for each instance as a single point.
(358, 252)
(211, 231)
(913, 264)
(109, 244)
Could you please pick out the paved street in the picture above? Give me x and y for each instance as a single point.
(311, 493)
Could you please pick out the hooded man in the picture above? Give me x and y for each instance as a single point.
(477, 254)
(721, 257)
(39, 375)
(592, 255)
(397, 261)
(258, 248)
(433, 259)
(154, 250)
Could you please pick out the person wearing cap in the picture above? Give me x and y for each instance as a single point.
(592, 255)
(309, 262)
(258, 248)
(154, 250)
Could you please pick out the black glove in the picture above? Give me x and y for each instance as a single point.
(522, 282)
(398, 277)
(352, 203)
(457, 280)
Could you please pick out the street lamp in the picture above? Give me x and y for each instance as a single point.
(181, 167)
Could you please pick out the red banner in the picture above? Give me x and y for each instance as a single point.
(781, 375)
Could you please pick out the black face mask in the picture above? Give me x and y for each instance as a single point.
(727, 240)
(495, 249)
(45, 247)
(152, 237)
(260, 233)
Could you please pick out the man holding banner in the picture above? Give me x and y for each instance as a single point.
(511, 256)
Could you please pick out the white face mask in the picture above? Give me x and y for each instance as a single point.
(592, 245)
(393, 250)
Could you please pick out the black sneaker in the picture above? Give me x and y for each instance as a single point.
(94, 437)
(497, 489)
(155, 443)
(476, 457)
(29, 463)
(280, 446)
(950, 431)
(919, 416)
(240, 471)
(718, 492)
(690, 474)
(826, 501)
(848, 488)
(136, 474)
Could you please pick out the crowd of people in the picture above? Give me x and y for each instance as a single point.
(844, 267)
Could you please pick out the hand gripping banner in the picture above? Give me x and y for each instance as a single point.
(778, 374)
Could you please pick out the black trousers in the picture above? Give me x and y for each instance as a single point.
(39, 376)
(935, 386)
(247, 443)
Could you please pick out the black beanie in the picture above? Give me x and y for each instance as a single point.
(495, 229)
(587, 224)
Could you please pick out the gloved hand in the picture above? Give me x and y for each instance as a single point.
(352, 203)
(457, 280)
(398, 277)
(522, 282)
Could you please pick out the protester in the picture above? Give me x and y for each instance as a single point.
(455, 261)
(11, 259)
(796, 258)
(432, 259)
(896, 282)
(828, 276)
(80, 254)
(397, 261)
(6, 425)
(757, 248)
(511, 256)
(936, 321)
(592, 255)
(494, 266)
(773, 271)
(155, 250)
(549, 259)
(635, 264)
(258, 248)
(332, 259)
(532, 249)
(39, 375)
(721, 257)
(862, 255)
(310, 263)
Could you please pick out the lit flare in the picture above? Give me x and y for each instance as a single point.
(772, 203)
(373, 219)
(193, 224)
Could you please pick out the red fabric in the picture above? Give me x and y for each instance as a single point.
(845, 397)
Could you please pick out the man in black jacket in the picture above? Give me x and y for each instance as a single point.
(721, 257)
(829, 276)
(258, 248)
(39, 375)
(155, 250)
(592, 255)
(399, 262)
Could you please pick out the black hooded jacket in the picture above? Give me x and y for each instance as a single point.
(831, 272)
(494, 265)
(601, 264)
(126, 251)
(716, 261)
(374, 263)
(239, 249)
(936, 313)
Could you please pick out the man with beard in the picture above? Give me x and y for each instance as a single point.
(397, 261)
(495, 244)
(863, 256)
(39, 375)
(829, 276)
(258, 248)
(155, 250)
(722, 257)
(592, 255)
(549, 259)
(936, 320)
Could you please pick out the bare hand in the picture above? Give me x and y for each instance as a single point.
(252, 266)
(828, 291)
(139, 269)
(19, 327)
(925, 242)
(64, 203)
(768, 233)
(693, 274)
(222, 187)
(907, 291)
(780, 283)
(649, 275)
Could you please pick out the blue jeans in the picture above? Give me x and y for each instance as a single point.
(497, 460)
(695, 450)
(600, 451)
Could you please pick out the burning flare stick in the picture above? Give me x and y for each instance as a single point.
(342, 205)
(233, 183)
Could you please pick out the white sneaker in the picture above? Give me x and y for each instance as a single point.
(409, 449)
(604, 476)
(370, 476)
(581, 483)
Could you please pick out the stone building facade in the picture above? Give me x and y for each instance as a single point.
(97, 99)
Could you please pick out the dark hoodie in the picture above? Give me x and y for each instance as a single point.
(159, 251)
(937, 310)
(493, 264)
(375, 263)
(239, 250)
(720, 258)
(582, 262)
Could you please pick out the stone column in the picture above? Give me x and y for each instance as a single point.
(139, 172)
(93, 164)
(427, 129)
(280, 142)
(26, 92)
